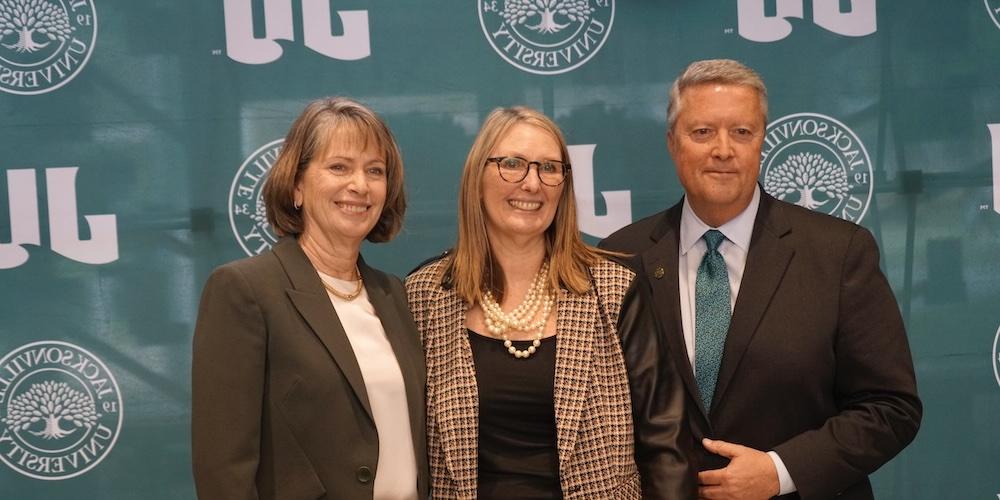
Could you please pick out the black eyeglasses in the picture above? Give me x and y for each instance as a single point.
(515, 169)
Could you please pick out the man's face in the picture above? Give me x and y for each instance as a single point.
(715, 144)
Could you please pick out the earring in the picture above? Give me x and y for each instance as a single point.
(297, 205)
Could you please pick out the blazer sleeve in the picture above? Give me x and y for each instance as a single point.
(227, 385)
(875, 389)
(663, 441)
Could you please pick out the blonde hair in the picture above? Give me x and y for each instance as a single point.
(308, 137)
(472, 269)
(722, 71)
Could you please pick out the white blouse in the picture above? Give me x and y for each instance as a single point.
(396, 472)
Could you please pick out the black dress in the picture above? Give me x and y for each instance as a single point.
(518, 456)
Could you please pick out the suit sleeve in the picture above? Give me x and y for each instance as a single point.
(875, 387)
(227, 384)
(663, 441)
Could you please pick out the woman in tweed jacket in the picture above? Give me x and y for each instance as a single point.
(532, 339)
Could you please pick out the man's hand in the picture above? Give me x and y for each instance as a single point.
(750, 474)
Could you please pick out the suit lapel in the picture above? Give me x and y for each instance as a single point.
(313, 303)
(575, 322)
(659, 262)
(767, 261)
(457, 410)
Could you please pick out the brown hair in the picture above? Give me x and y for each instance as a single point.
(472, 268)
(722, 71)
(309, 137)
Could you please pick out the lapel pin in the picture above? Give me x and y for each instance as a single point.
(659, 272)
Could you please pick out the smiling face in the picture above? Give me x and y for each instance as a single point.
(343, 190)
(719, 176)
(521, 211)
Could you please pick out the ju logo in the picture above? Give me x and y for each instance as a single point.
(756, 23)
(60, 410)
(64, 227)
(618, 203)
(44, 43)
(242, 46)
(818, 163)
(546, 37)
(247, 214)
(994, 129)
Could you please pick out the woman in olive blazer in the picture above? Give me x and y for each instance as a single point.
(308, 375)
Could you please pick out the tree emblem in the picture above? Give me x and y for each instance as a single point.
(259, 214)
(26, 17)
(51, 402)
(519, 11)
(807, 174)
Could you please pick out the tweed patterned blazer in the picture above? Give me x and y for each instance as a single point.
(592, 404)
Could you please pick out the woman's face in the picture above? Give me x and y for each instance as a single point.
(525, 209)
(343, 189)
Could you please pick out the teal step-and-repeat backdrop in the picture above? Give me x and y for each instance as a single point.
(134, 137)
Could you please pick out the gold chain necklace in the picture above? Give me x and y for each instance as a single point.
(346, 296)
(523, 317)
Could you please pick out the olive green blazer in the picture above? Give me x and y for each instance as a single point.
(279, 407)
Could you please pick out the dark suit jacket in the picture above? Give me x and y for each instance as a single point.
(816, 364)
(279, 407)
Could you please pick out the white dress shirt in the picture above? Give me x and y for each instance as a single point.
(734, 250)
(396, 472)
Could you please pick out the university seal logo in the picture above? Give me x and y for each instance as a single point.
(44, 43)
(994, 7)
(994, 129)
(247, 215)
(818, 163)
(546, 37)
(996, 356)
(60, 410)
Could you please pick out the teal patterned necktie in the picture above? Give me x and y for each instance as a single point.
(711, 316)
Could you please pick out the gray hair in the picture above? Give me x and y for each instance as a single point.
(723, 71)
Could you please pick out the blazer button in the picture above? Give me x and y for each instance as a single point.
(659, 272)
(364, 474)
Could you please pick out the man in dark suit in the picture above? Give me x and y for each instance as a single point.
(786, 333)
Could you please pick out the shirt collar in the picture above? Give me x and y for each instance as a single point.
(738, 230)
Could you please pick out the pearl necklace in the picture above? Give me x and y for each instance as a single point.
(523, 317)
(346, 296)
